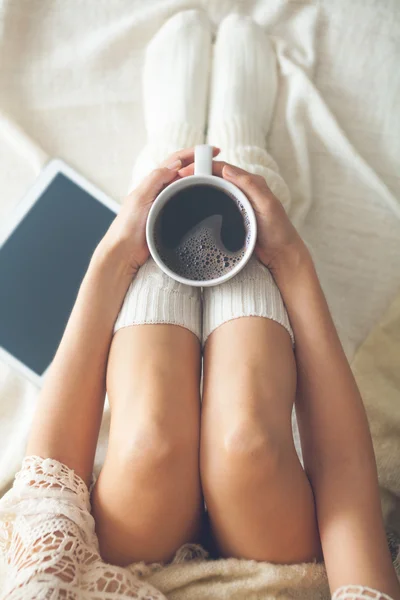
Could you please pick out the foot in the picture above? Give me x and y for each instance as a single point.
(243, 83)
(176, 74)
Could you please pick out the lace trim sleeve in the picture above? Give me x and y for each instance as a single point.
(44, 486)
(49, 542)
(46, 473)
(359, 592)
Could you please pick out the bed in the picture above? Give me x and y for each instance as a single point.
(70, 77)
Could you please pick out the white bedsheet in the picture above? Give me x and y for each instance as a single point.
(70, 78)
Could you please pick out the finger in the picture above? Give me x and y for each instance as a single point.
(218, 166)
(254, 186)
(186, 171)
(189, 169)
(186, 156)
(155, 182)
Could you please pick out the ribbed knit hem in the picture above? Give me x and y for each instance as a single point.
(173, 137)
(252, 293)
(177, 134)
(238, 131)
(255, 160)
(153, 298)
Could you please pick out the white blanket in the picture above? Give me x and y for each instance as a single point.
(70, 78)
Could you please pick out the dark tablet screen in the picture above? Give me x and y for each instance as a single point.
(42, 265)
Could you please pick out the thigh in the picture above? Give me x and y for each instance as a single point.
(249, 365)
(258, 497)
(147, 501)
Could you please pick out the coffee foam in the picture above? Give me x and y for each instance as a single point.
(201, 255)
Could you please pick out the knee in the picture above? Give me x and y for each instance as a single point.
(247, 453)
(152, 448)
(252, 446)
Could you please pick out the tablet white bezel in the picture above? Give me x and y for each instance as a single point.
(49, 172)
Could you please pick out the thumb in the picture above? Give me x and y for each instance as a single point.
(254, 186)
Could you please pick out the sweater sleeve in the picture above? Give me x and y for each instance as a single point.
(359, 592)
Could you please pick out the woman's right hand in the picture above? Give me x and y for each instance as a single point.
(278, 242)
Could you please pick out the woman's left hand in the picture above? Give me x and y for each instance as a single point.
(126, 236)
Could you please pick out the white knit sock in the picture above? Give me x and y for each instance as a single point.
(153, 297)
(175, 88)
(243, 83)
(175, 85)
(243, 90)
(252, 293)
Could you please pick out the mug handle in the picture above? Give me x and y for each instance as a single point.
(203, 155)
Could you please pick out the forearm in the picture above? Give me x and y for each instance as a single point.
(70, 405)
(327, 391)
(337, 446)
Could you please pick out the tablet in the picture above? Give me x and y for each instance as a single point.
(45, 249)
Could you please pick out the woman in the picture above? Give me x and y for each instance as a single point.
(168, 452)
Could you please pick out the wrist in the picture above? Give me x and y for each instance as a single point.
(110, 259)
(296, 277)
(293, 259)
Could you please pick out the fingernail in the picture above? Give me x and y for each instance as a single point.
(229, 171)
(175, 165)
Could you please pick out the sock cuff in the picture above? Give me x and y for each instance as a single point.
(238, 131)
(258, 161)
(175, 134)
(172, 137)
(153, 298)
(252, 293)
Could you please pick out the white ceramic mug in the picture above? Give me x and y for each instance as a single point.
(202, 176)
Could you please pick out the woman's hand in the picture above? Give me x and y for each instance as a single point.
(126, 237)
(278, 242)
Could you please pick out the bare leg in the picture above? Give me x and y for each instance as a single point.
(259, 499)
(147, 501)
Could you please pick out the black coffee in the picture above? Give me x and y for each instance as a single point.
(202, 233)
